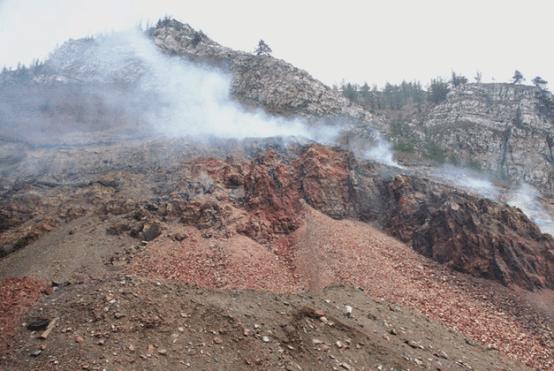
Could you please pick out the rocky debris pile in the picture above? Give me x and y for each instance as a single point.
(473, 235)
(347, 251)
(246, 221)
(129, 322)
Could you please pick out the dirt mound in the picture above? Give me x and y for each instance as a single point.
(129, 323)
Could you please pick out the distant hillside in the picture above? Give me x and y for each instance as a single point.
(505, 130)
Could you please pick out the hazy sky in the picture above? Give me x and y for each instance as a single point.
(373, 41)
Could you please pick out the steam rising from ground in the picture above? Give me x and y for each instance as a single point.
(173, 97)
(525, 197)
(469, 180)
(381, 152)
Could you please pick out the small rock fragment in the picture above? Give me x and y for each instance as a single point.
(38, 325)
(414, 344)
(348, 310)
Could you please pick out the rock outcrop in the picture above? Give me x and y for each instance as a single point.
(261, 196)
(470, 234)
(72, 85)
(504, 129)
(474, 235)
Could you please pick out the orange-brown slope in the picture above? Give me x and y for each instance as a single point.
(330, 251)
(325, 251)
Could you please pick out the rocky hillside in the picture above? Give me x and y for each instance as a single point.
(262, 199)
(504, 129)
(255, 219)
(272, 83)
(128, 231)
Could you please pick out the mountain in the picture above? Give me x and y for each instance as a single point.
(112, 82)
(151, 179)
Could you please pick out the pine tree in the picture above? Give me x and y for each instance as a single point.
(517, 78)
(540, 82)
(364, 92)
(349, 91)
(458, 80)
(263, 48)
(438, 90)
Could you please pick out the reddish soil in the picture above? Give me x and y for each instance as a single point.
(17, 296)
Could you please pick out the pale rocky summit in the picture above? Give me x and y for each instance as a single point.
(274, 84)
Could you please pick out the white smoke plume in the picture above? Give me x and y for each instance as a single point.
(527, 199)
(185, 99)
(468, 179)
(381, 152)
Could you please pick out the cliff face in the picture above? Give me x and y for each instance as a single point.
(496, 127)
